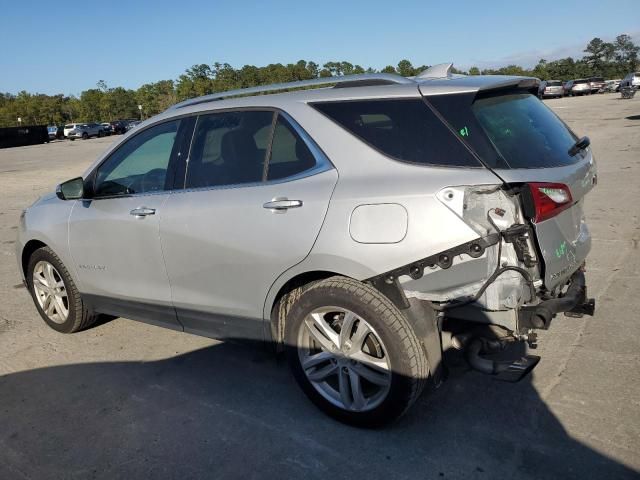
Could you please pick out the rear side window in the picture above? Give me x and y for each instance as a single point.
(406, 130)
(229, 148)
(289, 154)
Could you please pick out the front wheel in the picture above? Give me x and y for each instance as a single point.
(354, 353)
(55, 294)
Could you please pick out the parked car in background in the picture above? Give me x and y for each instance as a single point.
(119, 127)
(133, 124)
(551, 89)
(53, 132)
(68, 127)
(86, 130)
(597, 84)
(106, 128)
(341, 224)
(581, 86)
(612, 85)
(631, 80)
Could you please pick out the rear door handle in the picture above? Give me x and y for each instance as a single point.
(142, 211)
(282, 204)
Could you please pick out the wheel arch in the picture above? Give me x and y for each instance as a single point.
(28, 249)
(278, 310)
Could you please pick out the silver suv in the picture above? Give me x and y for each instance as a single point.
(362, 229)
(86, 130)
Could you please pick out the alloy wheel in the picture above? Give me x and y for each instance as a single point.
(51, 292)
(344, 359)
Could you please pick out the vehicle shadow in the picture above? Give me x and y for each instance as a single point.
(228, 411)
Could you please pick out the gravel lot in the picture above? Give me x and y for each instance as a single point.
(129, 400)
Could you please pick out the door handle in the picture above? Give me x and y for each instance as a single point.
(282, 204)
(142, 212)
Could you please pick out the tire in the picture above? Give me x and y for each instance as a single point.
(85, 136)
(100, 134)
(393, 338)
(78, 317)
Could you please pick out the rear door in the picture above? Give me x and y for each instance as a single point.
(526, 143)
(255, 198)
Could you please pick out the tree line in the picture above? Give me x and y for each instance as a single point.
(103, 103)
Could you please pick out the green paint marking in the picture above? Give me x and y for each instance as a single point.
(561, 250)
(464, 132)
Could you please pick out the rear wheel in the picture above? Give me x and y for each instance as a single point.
(55, 294)
(85, 136)
(353, 352)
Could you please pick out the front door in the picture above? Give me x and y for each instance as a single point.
(114, 237)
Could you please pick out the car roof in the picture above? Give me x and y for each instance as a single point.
(353, 87)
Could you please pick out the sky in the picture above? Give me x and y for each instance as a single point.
(68, 47)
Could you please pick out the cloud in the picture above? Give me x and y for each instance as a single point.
(530, 58)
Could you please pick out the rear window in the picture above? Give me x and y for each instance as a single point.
(525, 132)
(405, 129)
(554, 84)
(580, 81)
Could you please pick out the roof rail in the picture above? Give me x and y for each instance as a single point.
(358, 80)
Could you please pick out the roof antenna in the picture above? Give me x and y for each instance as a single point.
(442, 70)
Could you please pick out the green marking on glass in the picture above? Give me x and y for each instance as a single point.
(464, 132)
(561, 250)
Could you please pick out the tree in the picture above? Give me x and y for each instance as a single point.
(405, 68)
(626, 54)
(606, 59)
(598, 55)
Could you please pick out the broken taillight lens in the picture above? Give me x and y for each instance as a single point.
(549, 199)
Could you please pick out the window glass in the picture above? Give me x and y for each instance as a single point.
(289, 154)
(406, 130)
(229, 148)
(139, 165)
(525, 132)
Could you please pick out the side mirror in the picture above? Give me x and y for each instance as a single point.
(71, 189)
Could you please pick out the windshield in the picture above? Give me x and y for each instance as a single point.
(524, 131)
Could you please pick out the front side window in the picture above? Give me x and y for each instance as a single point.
(229, 148)
(140, 165)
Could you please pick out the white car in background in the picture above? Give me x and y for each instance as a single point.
(70, 126)
(631, 80)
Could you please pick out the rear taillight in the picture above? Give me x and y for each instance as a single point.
(549, 199)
